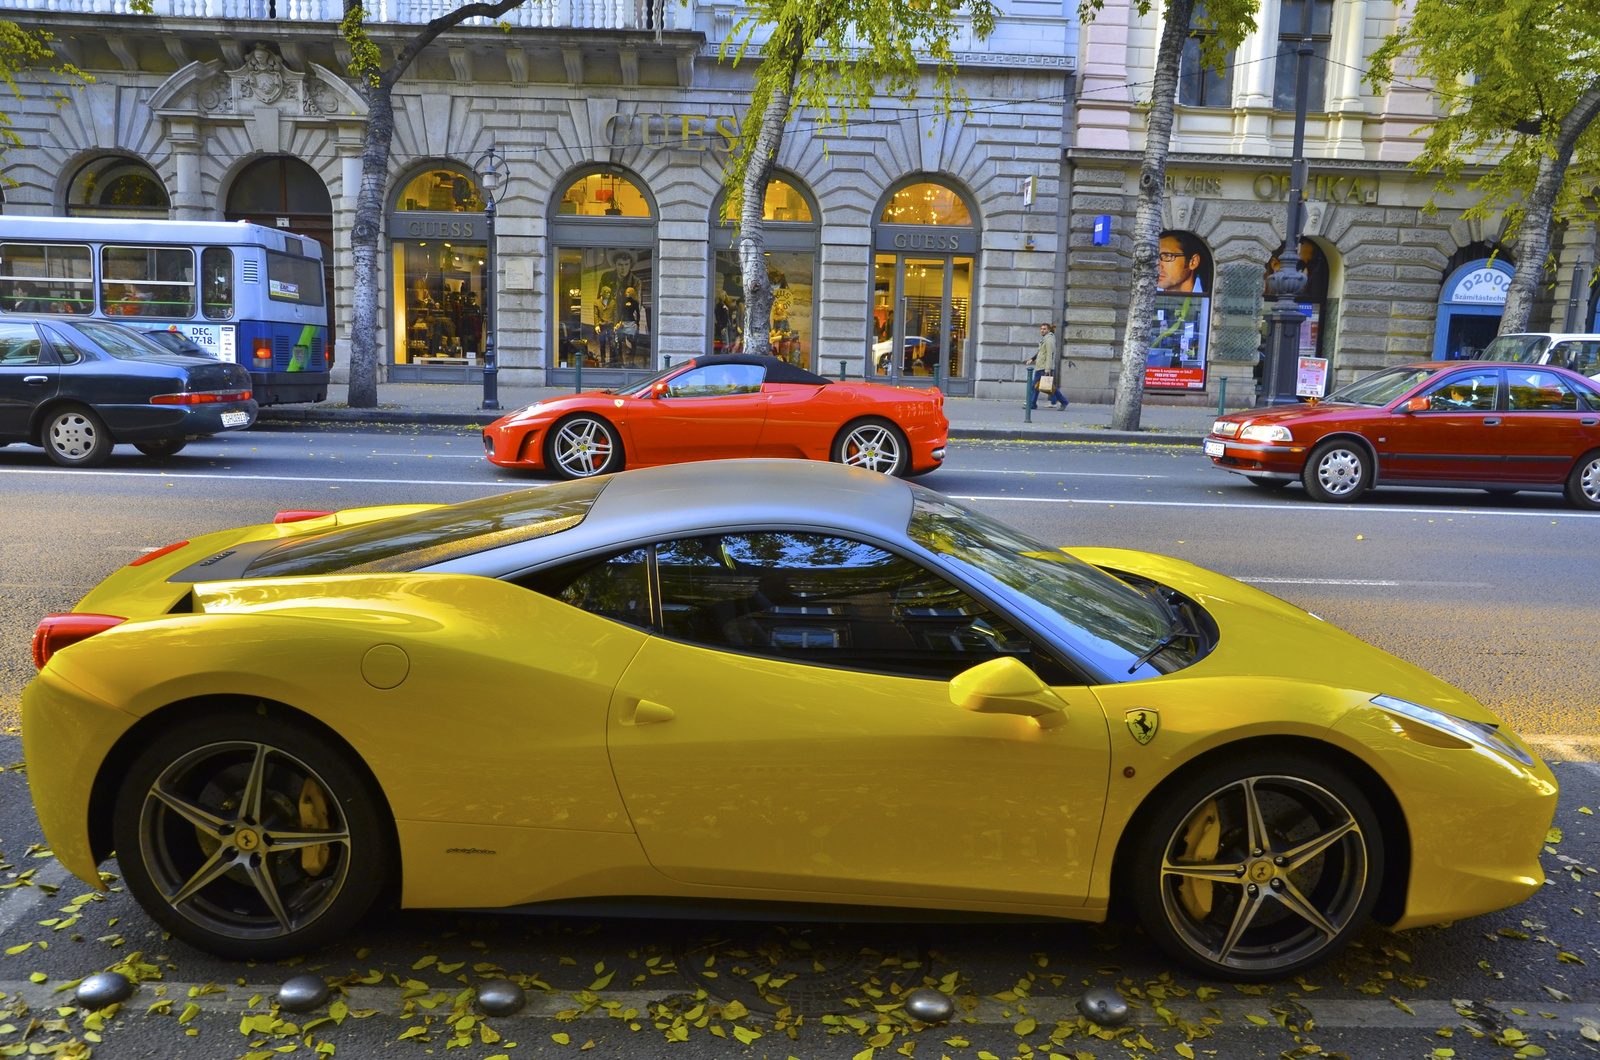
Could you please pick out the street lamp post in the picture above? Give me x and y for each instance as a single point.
(1285, 319)
(490, 169)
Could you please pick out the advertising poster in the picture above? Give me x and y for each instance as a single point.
(1177, 354)
(1312, 380)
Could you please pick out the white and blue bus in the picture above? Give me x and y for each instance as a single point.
(239, 291)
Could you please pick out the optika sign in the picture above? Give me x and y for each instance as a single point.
(440, 229)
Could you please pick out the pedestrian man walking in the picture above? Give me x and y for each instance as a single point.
(1046, 362)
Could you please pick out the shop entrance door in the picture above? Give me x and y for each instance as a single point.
(921, 313)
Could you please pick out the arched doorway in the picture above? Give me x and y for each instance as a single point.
(791, 228)
(1315, 334)
(116, 186)
(603, 241)
(1471, 302)
(285, 193)
(440, 249)
(925, 244)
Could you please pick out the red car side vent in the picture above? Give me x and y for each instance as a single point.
(157, 554)
(298, 515)
(58, 631)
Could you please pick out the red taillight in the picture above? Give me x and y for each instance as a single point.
(204, 397)
(263, 349)
(157, 554)
(58, 631)
(297, 515)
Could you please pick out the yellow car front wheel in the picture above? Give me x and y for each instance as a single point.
(247, 836)
(1259, 869)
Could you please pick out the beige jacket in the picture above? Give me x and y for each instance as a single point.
(1044, 360)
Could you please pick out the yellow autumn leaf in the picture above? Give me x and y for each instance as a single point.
(746, 1035)
(1553, 836)
(1402, 1006)
(733, 1010)
(602, 982)
(1026, 1027)
(1183, 1050)
(12, 951)
(190, 1011)
(1259, 1021)
(561, 1038)
(488, 1034)
(865, 1054)
(38, 977)
(424, 962)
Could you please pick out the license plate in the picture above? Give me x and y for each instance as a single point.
(1214, 449)
(235, 419)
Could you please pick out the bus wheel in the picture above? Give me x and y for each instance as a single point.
(164, 448)
(75, 437)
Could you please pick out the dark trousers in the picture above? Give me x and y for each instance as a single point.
(1033, 390)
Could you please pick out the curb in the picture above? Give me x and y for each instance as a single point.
(407, 417)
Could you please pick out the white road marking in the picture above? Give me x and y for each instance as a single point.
(1308, 508)
(162, 476)
(425, 456)
(1358, 581)
(1048, 474)
(1428, 1014)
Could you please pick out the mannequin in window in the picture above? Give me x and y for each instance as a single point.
(628, 322)
(605, 322)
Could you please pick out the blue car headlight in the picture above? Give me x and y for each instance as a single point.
(1473, 732)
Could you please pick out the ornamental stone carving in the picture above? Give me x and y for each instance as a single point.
(262, 77)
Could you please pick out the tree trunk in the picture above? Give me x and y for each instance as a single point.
(1532, 246)
(363, 393)
(753, 276)
(1147, 221)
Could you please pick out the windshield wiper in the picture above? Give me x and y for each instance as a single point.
(1182, 627)
(1174, 634)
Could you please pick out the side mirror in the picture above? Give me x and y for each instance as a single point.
(1417, 404)
(660, 389)
(1005, 686)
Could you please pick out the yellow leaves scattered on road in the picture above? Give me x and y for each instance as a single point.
(561, 1038)
(1402, 1006)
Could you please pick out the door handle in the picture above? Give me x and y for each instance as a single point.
(1491, 421)
(36, 380)
(646, 712)
(1589, 421)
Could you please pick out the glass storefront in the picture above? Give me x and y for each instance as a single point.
(791, 238)
(439, 271)
(602, 244)
(923, 275)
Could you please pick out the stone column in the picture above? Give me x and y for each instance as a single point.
(1344, 82)
(188, 199)
(1252, 94)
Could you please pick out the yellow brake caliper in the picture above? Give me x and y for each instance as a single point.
(1200, 843)
(314, 817)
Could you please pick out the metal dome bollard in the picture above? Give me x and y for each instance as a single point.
(1104, 1006)
(501, 997)
(926, 1005)
(303, 993)
(105, 988)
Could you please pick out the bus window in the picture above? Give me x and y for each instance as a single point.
(216, 271)
(294, 279)
(45, 278)
(147, 281)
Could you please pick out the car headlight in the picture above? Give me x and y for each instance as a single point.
(1266, 433)
(1472, 732)
(527, 410)
(1225, 428)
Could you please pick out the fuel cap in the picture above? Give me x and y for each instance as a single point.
(385, 666)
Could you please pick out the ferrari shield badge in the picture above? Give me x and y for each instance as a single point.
(1143, 723)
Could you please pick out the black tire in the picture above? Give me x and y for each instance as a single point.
(873, 444)
(1202, 821)
(74, 436)
(583, 446)
(162, 449)
(1583, 484)
(1338, 472)
(1272, 485)
(204, 765)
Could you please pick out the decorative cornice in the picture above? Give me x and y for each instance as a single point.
(1178, 160)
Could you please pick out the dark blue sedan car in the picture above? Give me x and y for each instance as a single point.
(79, 388)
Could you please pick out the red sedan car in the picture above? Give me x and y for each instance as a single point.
(1467, 424)
(720, 407)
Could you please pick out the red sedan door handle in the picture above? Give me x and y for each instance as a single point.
(1589, 421)
(1491, 421)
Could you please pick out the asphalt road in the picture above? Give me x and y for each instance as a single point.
(1493, 595)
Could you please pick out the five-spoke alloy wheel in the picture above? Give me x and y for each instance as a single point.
(582, 447)
(1258, 870)
(250, 840)
(1337, 471)
(875, 445)
(1583, 485)
(75, 437)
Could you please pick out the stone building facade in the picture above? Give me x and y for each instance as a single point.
(903, 246)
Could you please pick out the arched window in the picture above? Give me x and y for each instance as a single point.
(116, 186)
(792, 242)
(924, 268)
(603, 239)
(440, 190)
(1314, 340)
(440, 251)
(1179, 339)
(1471, 301)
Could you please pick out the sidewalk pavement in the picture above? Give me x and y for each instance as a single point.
(456, 405)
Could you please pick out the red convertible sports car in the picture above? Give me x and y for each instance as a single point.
(725, 406)
(1461, 425)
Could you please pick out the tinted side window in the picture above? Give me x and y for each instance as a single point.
(830, 601)
(216, 282)
(617, 587)
(67, 351)
(19, 345)
(718, 380)
(1466, 392)
(1532, 390)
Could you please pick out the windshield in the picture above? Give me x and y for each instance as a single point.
(1103, 618)
(642, 388)
(125, 344)
(1518, 349)
(1381, 388)
(422, 539)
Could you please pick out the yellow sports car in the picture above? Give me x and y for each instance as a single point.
(755, 681)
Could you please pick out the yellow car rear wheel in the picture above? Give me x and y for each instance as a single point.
(248, 836)
(1258, 869)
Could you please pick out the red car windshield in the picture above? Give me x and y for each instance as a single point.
(1380, 389)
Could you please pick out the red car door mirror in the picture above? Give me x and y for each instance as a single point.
(660, 389)
(1417, 404)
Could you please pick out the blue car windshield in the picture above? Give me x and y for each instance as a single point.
(1105, 620)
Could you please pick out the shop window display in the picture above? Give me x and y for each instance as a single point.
(792, 278)
(603, 195)
(604, 307)
(439, 298)
(440, 190)
(926, 204)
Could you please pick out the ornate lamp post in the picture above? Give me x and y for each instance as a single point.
(490, 169)
(1285, 319)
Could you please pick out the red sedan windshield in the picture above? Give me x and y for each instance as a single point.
(1382, 388)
